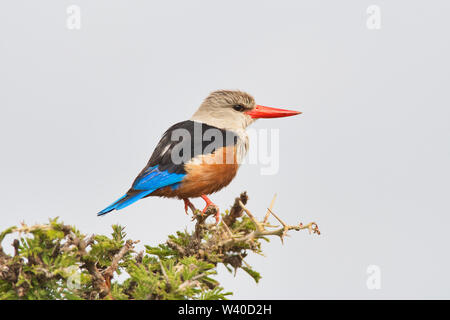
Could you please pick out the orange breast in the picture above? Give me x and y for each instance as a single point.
(205, 174)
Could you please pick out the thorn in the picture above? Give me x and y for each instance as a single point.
(270, 208)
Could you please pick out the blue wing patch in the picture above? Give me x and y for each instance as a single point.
(148, 181)
(153, 178)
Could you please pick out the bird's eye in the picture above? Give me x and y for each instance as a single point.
(239, 108)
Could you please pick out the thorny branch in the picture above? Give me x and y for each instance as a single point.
(108, 273)
(227, 242)
(101, 278)
(261, 230)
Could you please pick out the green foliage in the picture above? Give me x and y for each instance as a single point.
(56, 261)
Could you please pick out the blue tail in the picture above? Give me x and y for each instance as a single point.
(125, 201)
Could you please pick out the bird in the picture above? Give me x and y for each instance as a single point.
(200, 156)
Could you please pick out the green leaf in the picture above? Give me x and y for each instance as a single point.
(255, 275)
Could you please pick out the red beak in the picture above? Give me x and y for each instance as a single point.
(268, 112)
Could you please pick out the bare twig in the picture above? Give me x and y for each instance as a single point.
(236, 210)
(191, 282)
(109, 272)
(261, 230)
(164, 273)
(270, 208)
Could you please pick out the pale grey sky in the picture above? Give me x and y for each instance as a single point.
(82, 110)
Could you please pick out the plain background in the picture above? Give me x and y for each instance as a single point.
(82, 110)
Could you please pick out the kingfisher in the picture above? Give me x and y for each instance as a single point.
(200, 156)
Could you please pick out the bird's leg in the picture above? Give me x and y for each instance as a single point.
(208, 204)
(189, 204)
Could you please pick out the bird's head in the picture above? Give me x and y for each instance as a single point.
(235, 110)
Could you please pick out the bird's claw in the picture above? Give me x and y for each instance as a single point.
(188, 204)
(212, 205)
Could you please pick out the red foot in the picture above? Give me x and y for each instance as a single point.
(208, 204)
(188, 204)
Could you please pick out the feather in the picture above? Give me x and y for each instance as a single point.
(147, 182)
(178, 146)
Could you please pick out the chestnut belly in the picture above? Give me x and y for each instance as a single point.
(205, 174)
